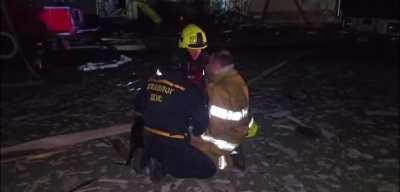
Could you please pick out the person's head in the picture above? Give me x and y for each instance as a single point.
(194, 39)
(218, 61)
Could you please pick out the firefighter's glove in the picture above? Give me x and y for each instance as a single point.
(253, 129)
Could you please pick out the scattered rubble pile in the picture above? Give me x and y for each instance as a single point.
(321, 131)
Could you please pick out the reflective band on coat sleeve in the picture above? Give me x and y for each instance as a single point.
(221, 144)
(251, 122)
(227, 114)
(222, 162)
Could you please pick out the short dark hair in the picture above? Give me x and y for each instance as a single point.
(224, 57)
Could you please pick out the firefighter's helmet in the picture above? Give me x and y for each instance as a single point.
(193, 37)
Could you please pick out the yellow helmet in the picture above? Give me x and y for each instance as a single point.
(193, 37)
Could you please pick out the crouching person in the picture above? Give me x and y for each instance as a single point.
(170, 103)
(229, 119)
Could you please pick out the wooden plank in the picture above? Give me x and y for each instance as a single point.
(30, 155)
(54, 142)
(117, 181)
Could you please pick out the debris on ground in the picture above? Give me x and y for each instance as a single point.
(59, 141)
(125, 44)
(90, 66)
(382, 113)
(355, 149)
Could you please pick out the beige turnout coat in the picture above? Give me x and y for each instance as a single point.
(229, 119)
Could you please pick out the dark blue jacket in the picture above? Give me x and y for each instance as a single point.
(171, 103)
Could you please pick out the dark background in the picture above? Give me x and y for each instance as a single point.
(388, 9)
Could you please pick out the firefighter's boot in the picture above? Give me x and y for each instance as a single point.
(156, 171)
(140, 160)
(238, 159)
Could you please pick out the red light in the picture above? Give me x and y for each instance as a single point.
(58, 19)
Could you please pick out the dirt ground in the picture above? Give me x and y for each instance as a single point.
(348, 95)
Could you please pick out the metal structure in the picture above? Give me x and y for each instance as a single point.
(13, 36)
(110, 8)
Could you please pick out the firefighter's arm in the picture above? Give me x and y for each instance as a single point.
(198, 111)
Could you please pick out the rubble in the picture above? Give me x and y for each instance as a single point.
(327, 134)
(388, 187)
(288, 127)
(354, 153)
(357, 152)
(279, 114)
(354, 168)
(382, 113)
(292, 184)
(290, 152)
(90, 66)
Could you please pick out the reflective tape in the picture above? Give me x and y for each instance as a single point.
(222, 162)
(158, 72)
(228, 114)
(221, 144)
(251, 122)
(169, 83)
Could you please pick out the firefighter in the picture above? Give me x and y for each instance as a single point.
(229, 121)
(170, 104)
(191, 55)
(191, 60)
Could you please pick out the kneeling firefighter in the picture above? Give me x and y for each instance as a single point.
(230, 122)
(170, 104)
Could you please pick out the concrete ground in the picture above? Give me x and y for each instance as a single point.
(333, 91)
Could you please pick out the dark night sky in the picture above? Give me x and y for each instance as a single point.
(371, 8)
